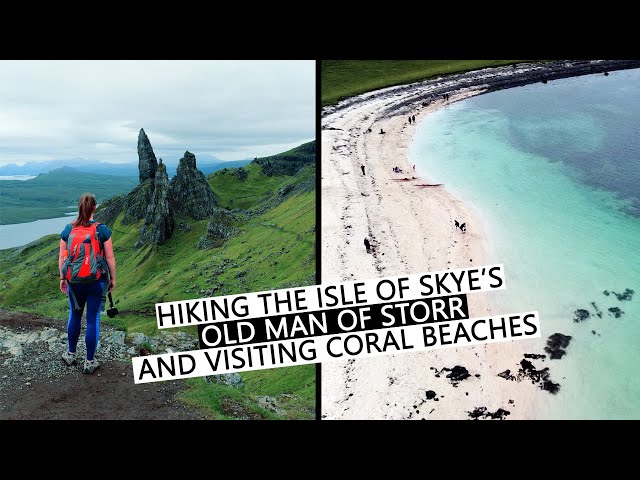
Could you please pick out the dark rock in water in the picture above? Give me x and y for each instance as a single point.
(556, 345)
(593, 331)
(625, 296)
(534, 356)
(430, 394)
(158, 222)
(616, 312)
(190, 192)
(551, 387)
(581, 315)
(528, 371)
(606, 292)
(147, 163)
(482, 412)
(595, 307)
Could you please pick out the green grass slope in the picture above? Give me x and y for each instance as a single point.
(274, 247)
(49, 195)
(346, 78)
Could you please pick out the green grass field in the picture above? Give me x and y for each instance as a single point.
(346, 78)
(274, 249)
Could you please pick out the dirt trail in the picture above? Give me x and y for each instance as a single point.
(36, 384)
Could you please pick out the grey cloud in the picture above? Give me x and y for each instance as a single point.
(94, 109)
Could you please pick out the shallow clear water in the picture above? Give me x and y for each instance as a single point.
(553, 172)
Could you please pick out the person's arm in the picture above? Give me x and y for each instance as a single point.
(111, 262)
(63, 282)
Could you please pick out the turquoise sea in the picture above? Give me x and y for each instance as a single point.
(553, 173)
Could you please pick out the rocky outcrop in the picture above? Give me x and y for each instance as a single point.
(288, 163)
(110, 209)
(230, 379)
(137, 202)
(581, 315)
(147, 163)
(157, 201)
(159, 221)
(557, 345)
(190, 192)
(220, 227)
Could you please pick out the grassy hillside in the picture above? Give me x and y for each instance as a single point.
(346, 78)
(274, 247)
(289, 162)
(49, 195)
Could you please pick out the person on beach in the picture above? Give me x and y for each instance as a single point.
(409, 119)
(381, 131)
(463, 227)
(414, 119)
(414, 167)
(362, 167)
(98, 263)
(367, 245)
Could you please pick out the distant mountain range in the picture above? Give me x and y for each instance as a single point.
(206, 163)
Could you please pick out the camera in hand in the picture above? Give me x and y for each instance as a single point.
(113, 311)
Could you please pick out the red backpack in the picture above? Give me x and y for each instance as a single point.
(84, 262)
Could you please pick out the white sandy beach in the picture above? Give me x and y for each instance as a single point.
(413, 231)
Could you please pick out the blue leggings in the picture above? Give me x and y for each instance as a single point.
(91, 295)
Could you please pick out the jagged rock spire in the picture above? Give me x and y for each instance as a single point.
(147, 163)
(190, 192)
(158, 222)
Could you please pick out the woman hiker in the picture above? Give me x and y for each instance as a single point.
(87, 268)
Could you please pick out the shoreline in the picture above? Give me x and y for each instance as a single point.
(412, 231)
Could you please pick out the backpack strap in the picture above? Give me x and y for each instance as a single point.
(96, 225)
(76, 306)
(102, 261)
(70, 239)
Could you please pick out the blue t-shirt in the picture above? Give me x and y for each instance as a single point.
(104, 232)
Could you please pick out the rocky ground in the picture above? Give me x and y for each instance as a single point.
(36, 384)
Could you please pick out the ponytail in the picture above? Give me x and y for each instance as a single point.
(86, 207)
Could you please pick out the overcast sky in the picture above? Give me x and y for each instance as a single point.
(94, 109)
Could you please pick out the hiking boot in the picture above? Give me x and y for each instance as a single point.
(90, 367)
(69, 358)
